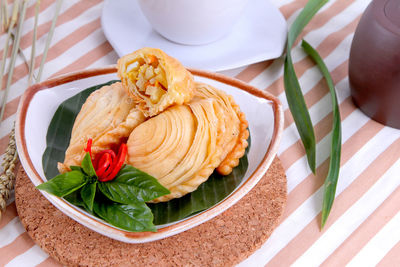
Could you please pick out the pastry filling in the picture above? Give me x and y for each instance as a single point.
(148, 78)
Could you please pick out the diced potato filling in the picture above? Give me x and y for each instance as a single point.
(155, 93)
(149, 78)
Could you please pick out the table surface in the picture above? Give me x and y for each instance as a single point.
(363, 227)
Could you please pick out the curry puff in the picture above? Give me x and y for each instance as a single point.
(176, 130)
(155, 80)
(183, 145)
(178, 147)
(107, 117)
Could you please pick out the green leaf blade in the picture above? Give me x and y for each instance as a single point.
(87, 166)
(64, 184)
(76, 168)
(88, 193)
(75, 199)
(336, 142)
(298, 108)
(294, 95)
(308, 12)
(135, 217)
(132, 185)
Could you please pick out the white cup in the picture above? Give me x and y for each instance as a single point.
(193, 22)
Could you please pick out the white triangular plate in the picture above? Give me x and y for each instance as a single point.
(260, 34)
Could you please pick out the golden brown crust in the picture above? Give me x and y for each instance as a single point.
(212, 160)
(183, 145)
(107, 116)
(233, 134)
(232, 159)
(183, 153)
(177, 82)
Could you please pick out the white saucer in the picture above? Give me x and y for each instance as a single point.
(259, 35)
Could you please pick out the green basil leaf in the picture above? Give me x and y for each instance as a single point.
(336, 141)
(87, 166)
(135, 217)
(76, 168)
(132, 185)
(88, 193)
(75, 199)
(60, 128)
(64, 184)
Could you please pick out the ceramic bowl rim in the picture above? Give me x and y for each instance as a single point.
(141, 237)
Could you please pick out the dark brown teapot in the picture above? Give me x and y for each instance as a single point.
(374, 65)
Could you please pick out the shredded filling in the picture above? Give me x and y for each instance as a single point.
(149, 78)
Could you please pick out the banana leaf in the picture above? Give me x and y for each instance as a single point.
(215, 189)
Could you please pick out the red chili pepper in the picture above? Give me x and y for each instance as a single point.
(100, 154)
(116, 167)
(104, 163)
(108, 151)
(109, 170)
(89, 146)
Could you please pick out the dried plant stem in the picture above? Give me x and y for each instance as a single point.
(7, 44)
(4, 10)
(21, 53)
(7, 179)
(13, 57)
(1, 16)
(33, 50)
(48, 40)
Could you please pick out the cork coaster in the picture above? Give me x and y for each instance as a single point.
(223, 241)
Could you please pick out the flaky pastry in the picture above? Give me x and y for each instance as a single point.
(155, 80)
(178, 147)
(233, 132)
(108, 117)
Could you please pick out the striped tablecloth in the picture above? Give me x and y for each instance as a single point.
(364, 226)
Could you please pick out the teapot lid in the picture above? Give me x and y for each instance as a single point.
(392, 11)
(387, 13)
